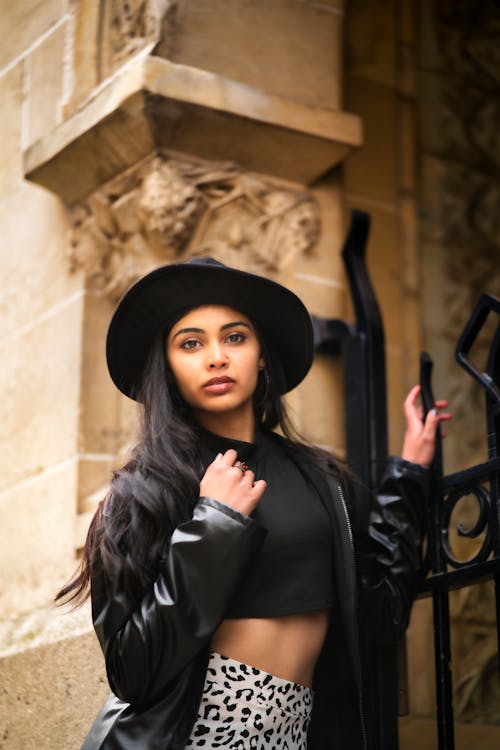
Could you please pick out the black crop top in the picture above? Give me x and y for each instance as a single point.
(293, 570)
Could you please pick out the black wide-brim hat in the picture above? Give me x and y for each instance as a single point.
(159, 299)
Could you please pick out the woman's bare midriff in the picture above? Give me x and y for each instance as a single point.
(286, 646)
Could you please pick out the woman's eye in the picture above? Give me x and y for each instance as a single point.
(236, 338)
(189, 344)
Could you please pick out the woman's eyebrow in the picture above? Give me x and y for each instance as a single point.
(222, 328)
(188, 330)
(235, 323)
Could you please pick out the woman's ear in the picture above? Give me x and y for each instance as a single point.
(262, 364)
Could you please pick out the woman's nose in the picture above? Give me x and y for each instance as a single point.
(216, 357)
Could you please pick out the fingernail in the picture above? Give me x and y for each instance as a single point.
(434, 412)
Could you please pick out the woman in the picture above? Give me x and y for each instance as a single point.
(227, 589)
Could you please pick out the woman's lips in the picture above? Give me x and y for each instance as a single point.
(219, 385)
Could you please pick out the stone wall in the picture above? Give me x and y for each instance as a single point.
(41, 308)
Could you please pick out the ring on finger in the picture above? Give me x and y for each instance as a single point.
(241, 465)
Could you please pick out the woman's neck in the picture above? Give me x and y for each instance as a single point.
(237, 426)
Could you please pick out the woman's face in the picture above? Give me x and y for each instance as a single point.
(214, 354)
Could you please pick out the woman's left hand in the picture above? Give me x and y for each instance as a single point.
(419, 442)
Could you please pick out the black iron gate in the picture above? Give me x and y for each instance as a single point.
(363, 349)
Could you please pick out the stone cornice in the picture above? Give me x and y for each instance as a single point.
(151, 103)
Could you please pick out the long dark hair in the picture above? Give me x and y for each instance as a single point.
(157, 489)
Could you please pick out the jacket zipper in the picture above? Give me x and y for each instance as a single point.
(356, 624)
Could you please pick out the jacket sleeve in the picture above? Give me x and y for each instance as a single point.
(199, 570)
(389, 547)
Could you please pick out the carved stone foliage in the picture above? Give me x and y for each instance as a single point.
(130, 22)
(128, 25)
(167, 209)
(107, 33)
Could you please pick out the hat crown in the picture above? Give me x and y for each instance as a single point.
(205, 261)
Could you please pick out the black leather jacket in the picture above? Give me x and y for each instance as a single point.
(156, 656)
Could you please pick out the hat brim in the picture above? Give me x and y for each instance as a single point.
(149, 305)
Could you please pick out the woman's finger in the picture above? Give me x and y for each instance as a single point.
(414, 414)
(440, 416)
(412, 397)
(441, 404)
(248, 477)
(258, 488)
(432, 422)
(229, 457)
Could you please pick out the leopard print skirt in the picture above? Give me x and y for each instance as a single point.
(244, 708)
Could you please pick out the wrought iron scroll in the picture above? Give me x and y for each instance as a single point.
(362, 346)
(445, 571)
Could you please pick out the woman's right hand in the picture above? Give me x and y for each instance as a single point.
(227, 483)
(419, 442)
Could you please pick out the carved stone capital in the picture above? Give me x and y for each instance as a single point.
(168, 209)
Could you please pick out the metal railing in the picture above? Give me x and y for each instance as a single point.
(362, 346)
